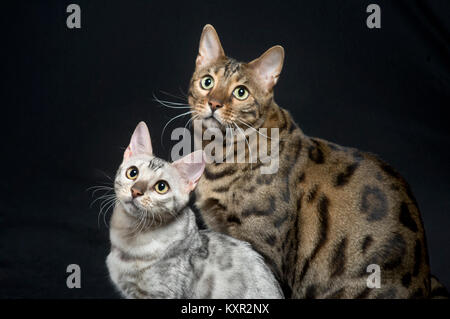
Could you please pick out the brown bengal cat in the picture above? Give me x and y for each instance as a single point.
(326, 214)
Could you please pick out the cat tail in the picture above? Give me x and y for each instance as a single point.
(438, 290)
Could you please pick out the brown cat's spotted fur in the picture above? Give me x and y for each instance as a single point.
(329, 211)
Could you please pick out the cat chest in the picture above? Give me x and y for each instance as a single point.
(122, 264)
(231, 199)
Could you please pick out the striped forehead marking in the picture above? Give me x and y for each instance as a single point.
(156, 163)
(231, 67)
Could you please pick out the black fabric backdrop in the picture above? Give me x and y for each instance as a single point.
(71, 98)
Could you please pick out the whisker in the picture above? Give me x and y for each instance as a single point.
(173, 95)
(96, 189)
(172, 105)
(171, 120)
(112, 205)
(157, 99)
(133, 233)
(142, 223)
(153, 219)
(160, 220)
(228, 150)
(253, 129)
(102, 198)
(105, 189)
(105, 192)
(104, 174)
(104, 207)
(147, 220)
(250, 157)
(106, 202)
(99, 187)
(182, 92)
(191, 119)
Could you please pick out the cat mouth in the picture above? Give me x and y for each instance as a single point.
(134, 205)
(212, 121)
(212, 117)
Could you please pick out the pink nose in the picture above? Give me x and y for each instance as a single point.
(135, 192)
(213, 104)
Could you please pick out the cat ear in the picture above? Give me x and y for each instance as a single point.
(140, 142)
(191, 168)
(267, 67)
(210, 49)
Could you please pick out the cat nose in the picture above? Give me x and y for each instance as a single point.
(135, 192)
(138, 189)
(213, 105)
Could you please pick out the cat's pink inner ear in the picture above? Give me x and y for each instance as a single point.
(191, 168)
(127, 153)
(210, 49)
(267, 67)
(140, 142)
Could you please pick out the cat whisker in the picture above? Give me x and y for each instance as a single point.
(182, 92)
(254, 129)
(148, 224)
(147, 221)
(172, 214)
(142, 222)
(181, 98)
(134, 232)
(101, 188)
(191, 119)
(231, 130)
(104, 174)
(172, 105)
(104, 190)
(98, 188)
(250, 157)
(107, 203)
(103, 212)
(153, 220)
(171, 120)
(143, 218)
(105, 196)
(112, 205)
(160, 220)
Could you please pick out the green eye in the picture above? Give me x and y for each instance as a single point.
(207, 83)
(161, 187)
(132, 173)
(240, 93)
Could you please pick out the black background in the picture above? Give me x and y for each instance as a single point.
(72, 97)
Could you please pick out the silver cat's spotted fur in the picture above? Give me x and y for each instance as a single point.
(157, 250)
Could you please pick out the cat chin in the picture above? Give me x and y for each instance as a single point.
(132, 209)
(212, 122)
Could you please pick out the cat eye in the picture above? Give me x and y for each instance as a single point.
(132, 173)
(207, 83)
(161, 187)
(241, 93)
